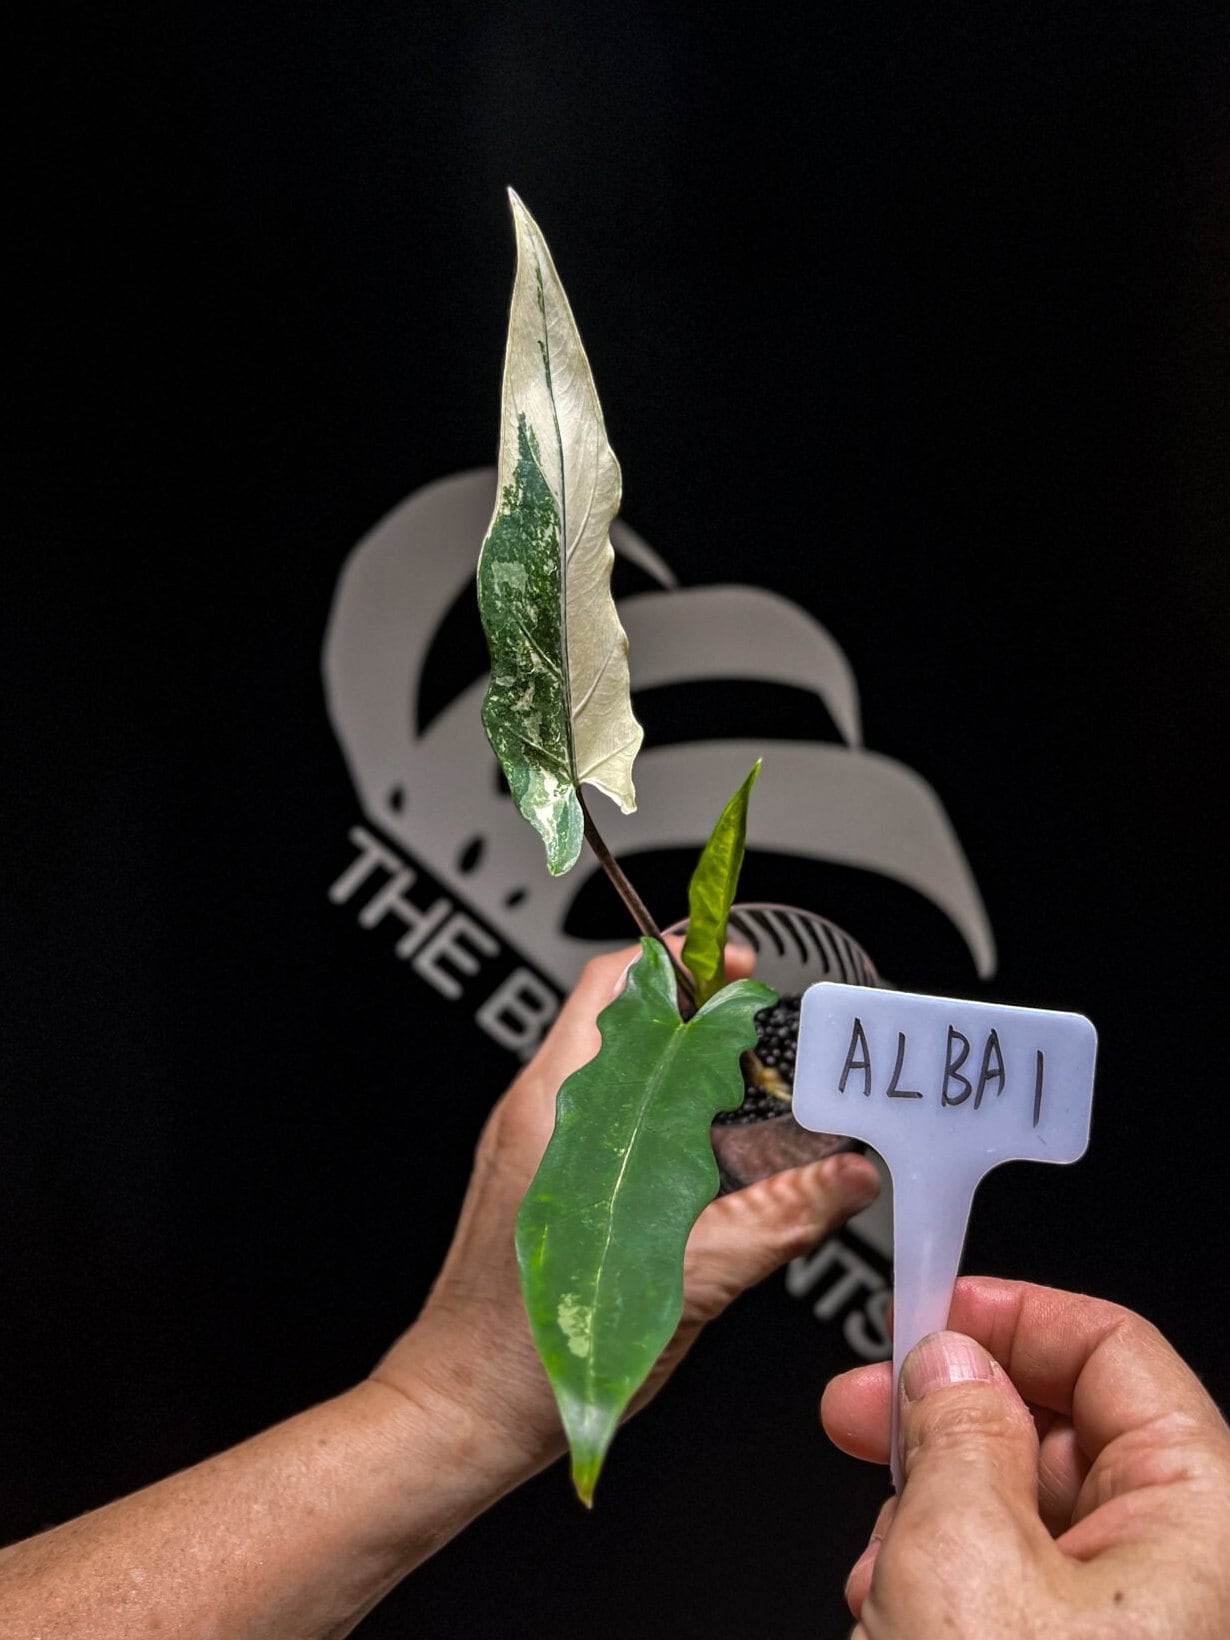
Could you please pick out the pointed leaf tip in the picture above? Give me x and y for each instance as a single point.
(585, 1480)
(712, 890)
(630, 1167)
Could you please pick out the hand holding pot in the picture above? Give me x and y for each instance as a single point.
(473, 1342)
(1065, 1473)
(306, 1526)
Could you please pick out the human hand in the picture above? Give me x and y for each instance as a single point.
(1065, 1474)
(304, 1527)
(472, 1343)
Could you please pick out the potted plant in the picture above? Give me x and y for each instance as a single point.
(631, 1164)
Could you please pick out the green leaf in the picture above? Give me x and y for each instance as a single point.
(629, 1169)
(558, 710)
(711, 893)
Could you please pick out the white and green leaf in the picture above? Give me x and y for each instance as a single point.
(558, 709)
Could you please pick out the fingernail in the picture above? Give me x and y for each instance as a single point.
(942, 1359)
(856, 1179)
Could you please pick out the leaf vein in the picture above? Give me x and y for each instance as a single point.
(599, 674)
(651, 1090)
(546, 659)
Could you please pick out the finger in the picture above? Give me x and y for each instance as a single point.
(969, 1455)
(855, 1410)
(856, 1406)
(741, 1238)
(1062, 1470)
(1104, 1367)
(574, 1038)
(1032, 1331)
(602, 979)
(520, 1124)
(858, 1583)
(740, 961)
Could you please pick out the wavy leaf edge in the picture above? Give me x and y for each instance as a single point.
(569, 1313)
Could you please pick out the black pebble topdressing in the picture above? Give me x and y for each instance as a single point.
(778, 1035)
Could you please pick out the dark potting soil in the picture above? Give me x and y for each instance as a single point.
(760, 1137)
(777, 1040)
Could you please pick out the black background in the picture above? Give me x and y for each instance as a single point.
(916, 315)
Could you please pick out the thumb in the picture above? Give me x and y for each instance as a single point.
(967, 1516)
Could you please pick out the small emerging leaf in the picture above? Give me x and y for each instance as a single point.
(629, 1169)
(558, 709)
(711, 893)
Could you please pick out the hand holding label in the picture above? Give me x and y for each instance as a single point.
(945, 1090)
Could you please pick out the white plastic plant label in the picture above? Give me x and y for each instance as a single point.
(945, 1090)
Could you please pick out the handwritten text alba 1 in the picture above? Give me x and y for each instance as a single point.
(954, 1087)
(944, 1090)
(877, 1062)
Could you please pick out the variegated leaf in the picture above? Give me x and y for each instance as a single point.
(558, 710)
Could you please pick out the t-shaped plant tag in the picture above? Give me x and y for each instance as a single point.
(945, 1090)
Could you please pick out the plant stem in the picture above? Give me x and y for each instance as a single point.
(636, 907)
(753, 1068)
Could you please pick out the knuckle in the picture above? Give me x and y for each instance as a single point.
(608, 965)
(965, 1423)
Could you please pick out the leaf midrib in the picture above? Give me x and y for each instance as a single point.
(665, 1060)
(566, 670)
